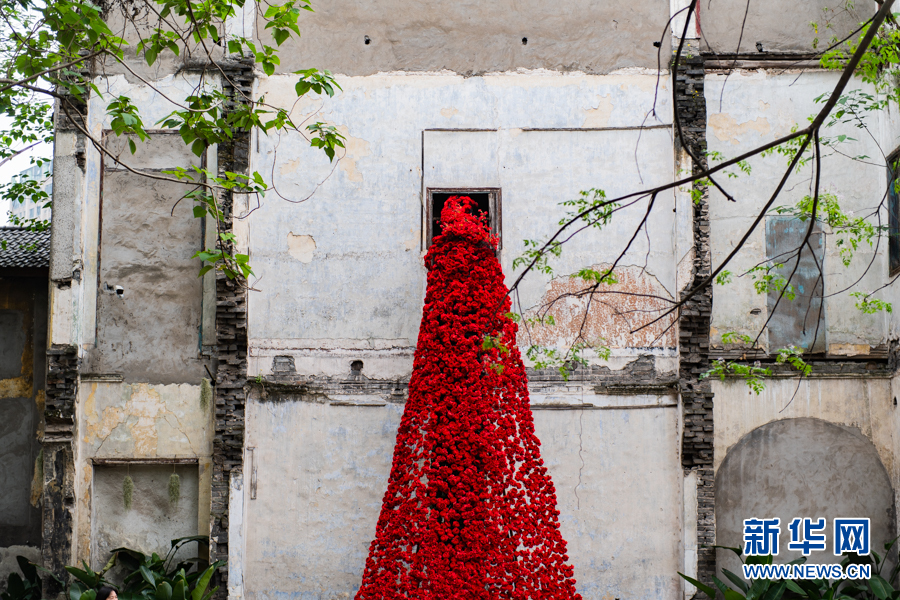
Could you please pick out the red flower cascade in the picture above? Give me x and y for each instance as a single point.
(470, 511)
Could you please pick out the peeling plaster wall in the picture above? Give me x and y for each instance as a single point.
(344, 273)
(151, 332)
(745, 121)
(23, 342)
(319, 472)
(343, 280)
(120, 421)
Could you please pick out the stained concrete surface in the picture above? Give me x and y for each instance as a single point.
(750, 108)
(476, 37)
(320, 472)
(23, 340)
(152, 521)
(20, 521)
(13, 335)
(779, 27)
(151, 332)
(801, 468)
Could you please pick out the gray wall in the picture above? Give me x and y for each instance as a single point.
(477, 37)
(780, 27)
(801, 468)
(152, 333)
(23, 341)
(152, 521)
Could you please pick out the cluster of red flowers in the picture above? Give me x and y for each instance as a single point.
(470, 511)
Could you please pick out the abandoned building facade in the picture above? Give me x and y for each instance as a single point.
(278, 406)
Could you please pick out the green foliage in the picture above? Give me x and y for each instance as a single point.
(46, 53)
(849, 231)
(793, 356)
(206, 393)
(142, 577)
(724, 277)
(751, 374)
(18, 588)
(733, 337)
(880, 65)
(127, 492)
(715, 156)
(564, 362)
(539, 253)
(869, 305)
(174, 488)
(593, 211)
(790, 148)
(766, 279)
(593, 276)
(880, 586)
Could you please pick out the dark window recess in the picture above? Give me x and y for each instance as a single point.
(487, 201)
(893, 204)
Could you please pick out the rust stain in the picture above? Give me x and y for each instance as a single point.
(356, 148)
(40, 399)
(614, 312)
(139, 415)
(727, 129)
(15, 387)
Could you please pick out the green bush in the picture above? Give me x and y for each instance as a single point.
(137, 576)
(878, 587)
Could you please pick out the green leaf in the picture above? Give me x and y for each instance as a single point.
(164, 591)
(132, 145)
(700, 586)
(148, 576)
(740, 583)
(89, 578)
(198, 147)
(280, 35)
(202, 583)
(179, 590)
(881, 588)
(776, 591)
(150, 56)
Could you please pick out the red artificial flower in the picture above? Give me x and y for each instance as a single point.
(470, 511)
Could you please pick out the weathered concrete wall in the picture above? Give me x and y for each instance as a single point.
(23, 341)
(778, 27)
(757, 107)
(825, 407)
(541, 138)
(152, 521)
(802, 468)
(342, 279)
(148, 423)
(473, 38)
(150, 333)
(315, 475)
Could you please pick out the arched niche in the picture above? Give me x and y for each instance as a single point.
(801, 468)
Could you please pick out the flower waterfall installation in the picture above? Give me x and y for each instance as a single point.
(470, 511)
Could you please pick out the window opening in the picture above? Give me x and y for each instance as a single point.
(487, 202)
